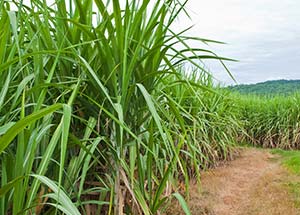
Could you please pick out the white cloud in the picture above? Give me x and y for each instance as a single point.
(263, 34)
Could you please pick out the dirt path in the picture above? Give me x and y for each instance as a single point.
(253, 184)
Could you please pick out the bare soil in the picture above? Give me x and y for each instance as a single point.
(252, 184)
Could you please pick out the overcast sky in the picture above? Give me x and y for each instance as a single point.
(264, 35)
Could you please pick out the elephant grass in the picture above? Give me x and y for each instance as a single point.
(95, 112)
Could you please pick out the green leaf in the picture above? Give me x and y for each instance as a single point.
(59, 195)
(4, 128)
(14, 130)
(182, 203)
(7, 187)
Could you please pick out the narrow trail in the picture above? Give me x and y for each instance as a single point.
(252, 184)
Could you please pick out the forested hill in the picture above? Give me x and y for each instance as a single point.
(282, 87)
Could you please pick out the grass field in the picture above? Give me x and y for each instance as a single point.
(98, 116)
(291, 161)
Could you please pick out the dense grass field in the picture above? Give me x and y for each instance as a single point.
(98, 116)
(271, 121)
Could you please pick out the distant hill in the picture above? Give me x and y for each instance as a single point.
(281, 87)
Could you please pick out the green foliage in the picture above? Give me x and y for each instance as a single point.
(270, 88)
(291, 159)
(270, 122)
(95, 111)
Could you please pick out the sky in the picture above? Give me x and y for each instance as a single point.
(263, 35)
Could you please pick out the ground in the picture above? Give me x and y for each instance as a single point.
(253, 184)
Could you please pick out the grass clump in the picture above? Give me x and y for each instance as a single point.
(294, 189)
(290, 159)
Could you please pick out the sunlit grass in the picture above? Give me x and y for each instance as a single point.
(290, 159)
